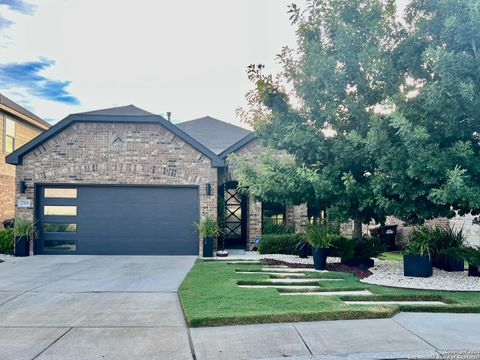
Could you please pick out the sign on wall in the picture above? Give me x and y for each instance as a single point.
(24, 203)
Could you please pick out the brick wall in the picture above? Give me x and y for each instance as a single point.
(7, 197)
(118, 153)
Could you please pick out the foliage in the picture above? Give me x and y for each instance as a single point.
(270, 227)
(341, 70)
(280, 244)
(342, 247)
(208, 227)
(366, 248)
(420, 241)
(470, 254)
(440, 240)
(25, 227)
(319, 235)
(380, 118)
(6, 241)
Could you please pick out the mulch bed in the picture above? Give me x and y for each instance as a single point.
(361, 274)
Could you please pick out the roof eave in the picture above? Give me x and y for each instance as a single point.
(239, 144)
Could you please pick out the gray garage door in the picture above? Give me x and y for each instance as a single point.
(117, 220)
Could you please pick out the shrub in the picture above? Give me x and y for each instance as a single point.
(420, 241)
(319, 235)
(208, 227)
(342, 247)
(280, 244)
(366, 248)
(6, 241)
(269, 227)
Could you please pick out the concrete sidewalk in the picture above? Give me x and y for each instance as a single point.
(407, 335)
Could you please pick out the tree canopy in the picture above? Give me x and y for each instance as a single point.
(381, 117)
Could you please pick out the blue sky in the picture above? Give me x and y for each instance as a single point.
(189, 57)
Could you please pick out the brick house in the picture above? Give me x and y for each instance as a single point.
(126, 181)
(17, 127)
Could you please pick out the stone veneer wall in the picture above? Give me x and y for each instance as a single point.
(118, 153)
(7, 197)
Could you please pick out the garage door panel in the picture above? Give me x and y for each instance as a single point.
(132, 220)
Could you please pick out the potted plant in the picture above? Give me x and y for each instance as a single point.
(318, 236)
(444, 243)
(208, 229)
(471, 255)
(417, 261)
(24, 231)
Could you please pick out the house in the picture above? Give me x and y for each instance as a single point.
(126, 181)
(17, 127)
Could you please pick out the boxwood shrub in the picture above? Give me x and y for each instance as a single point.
(6, 241)
(279, 244)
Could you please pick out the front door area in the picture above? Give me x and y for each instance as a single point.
(234, 232)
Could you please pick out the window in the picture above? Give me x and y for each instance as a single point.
(60, 210)
(315, 214)
(273, 213)
(60, 245)
(9, 138)
(49, 227)
(60, 193)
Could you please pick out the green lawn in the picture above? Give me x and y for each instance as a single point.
(210, 296)
(392, 256)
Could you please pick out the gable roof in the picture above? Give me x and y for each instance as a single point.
(124, 114)
(129, 110)
(12, 107)
(215, 134)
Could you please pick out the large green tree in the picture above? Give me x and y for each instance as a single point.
(319, 109)
(380, 119)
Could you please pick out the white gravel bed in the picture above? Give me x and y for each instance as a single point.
(390, 273)
(295, 259)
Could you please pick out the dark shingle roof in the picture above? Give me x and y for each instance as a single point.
(129, 110)
(14, 106)
(214, 134)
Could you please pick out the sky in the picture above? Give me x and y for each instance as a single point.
(189, 57)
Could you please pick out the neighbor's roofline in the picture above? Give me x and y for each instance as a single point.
(19, 111)
(16, 157)
(239, 144)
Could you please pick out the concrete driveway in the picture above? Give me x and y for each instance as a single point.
(93, 307)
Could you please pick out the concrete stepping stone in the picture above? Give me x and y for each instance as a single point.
(302, 280)
(419, 302)
(269, 273)
(330, 293)
(273, 286)
(294, 270)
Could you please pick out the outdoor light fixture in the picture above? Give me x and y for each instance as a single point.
(22, 187)
(208, 189)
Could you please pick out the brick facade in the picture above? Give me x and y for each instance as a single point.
(118, 153)
(7, 197)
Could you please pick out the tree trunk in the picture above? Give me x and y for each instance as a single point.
(357, 230)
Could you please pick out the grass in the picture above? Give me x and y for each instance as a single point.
(210, 297)
(391, 256)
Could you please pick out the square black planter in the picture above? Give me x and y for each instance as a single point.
(473, 271)
(417, 265)
(22, 246)
(448, 263)
(208, 247)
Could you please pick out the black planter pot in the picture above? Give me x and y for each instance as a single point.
(303, 251)
(360, 263)
(208, 246)
(319, 258)
(417, 265)
(473, 271)
(454, 264)
(22, 246)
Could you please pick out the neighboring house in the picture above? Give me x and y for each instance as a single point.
(126, 181)
(17, 126)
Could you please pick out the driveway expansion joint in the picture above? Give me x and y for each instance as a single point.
(52, 343)
(303, 340)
